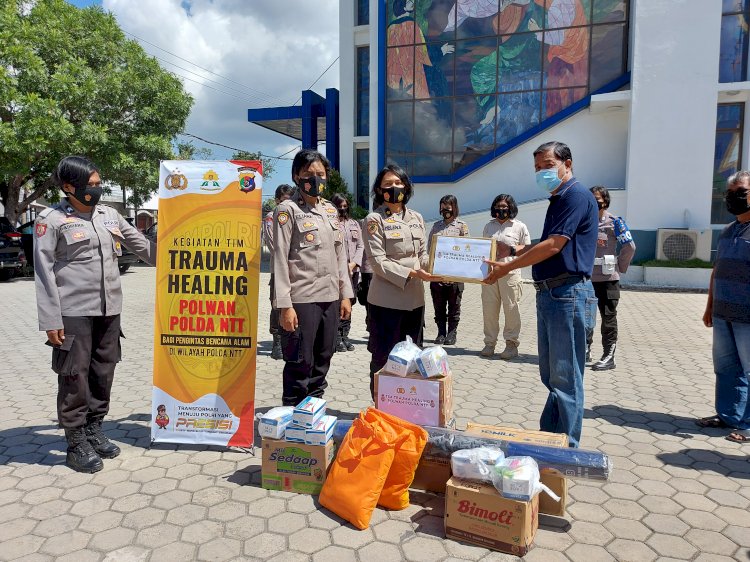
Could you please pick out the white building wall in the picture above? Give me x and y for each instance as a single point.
(657, 140)
(674, 84)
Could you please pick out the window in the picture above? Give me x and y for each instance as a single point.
(727, 156)
(466, 78)
(363, 178)
(734, 41)
(363, 91)
(363, 12)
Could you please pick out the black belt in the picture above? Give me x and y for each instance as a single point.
(559, 281)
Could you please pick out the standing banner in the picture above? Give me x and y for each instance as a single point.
(206, 325)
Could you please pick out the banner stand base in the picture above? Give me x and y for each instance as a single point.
(249, 450)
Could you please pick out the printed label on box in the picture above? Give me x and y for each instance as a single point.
(417, 401)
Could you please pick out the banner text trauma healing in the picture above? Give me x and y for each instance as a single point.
(207, 260)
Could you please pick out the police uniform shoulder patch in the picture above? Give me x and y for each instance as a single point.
(283, 217)
(41, 229)
(372, 226)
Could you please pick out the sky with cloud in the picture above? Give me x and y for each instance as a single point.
(236, 54)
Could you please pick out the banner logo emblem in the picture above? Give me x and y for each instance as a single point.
(176, 180)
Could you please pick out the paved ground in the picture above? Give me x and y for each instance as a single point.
(676, 492)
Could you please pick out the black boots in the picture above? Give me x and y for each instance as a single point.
(340, 346)
(81, 455)
(440, 339)
(607, 361)
(102, 446)
(276, 349)
(450, 339)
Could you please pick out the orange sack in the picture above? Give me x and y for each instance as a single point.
(357, 475)
(410, 441)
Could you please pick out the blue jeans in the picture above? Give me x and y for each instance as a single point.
(564, 315)
(731, 353)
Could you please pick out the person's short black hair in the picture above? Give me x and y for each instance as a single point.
(559, 149)
(283, 189)
(377, 195)
(338, 199)
(452, 201)
(604, 192)
(305, 158)
(512, 207)
(75, 170)
(399, 7)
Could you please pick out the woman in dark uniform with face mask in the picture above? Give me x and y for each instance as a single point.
(396, 247)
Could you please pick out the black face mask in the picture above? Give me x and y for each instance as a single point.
(601, 205)
(89, 195)
(344, 212)
(446, 213)
(737, 201)
(394, 194)
(311, 187)
(501, 214)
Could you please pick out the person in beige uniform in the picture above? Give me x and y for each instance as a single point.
(355, 248)
(396, 247)
(282, 193)
(447, 295)
(79, 301)
(311, 279)
(505, 293)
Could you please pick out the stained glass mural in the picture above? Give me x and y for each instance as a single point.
(465, 77)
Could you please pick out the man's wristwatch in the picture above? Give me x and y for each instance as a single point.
(512, 251)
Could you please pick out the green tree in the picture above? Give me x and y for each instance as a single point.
(188, 151)
(337, 184)
(71, 83)
(269, 164)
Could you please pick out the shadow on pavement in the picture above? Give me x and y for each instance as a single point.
(655, 422)
(736, 466)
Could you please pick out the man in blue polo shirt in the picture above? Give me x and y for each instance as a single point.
(562, 261)
(728, 312)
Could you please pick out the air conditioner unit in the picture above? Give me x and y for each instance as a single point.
(682, 244)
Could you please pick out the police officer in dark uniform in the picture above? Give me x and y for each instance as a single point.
(79, 300)
(283, 192)
(312, 289)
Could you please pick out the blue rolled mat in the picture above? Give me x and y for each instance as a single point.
(567, 461)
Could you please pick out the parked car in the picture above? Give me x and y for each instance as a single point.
(127, 258)
(12, 257)
(150, 232)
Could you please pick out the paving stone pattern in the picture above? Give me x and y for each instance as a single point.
(676, 492)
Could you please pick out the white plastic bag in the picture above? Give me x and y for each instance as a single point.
(475, 464)
(401, 359)
(432, 362)
(518, 478)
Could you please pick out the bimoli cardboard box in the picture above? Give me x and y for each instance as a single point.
(476, 513)
(552, 479)
(295, 467)
(416, 399)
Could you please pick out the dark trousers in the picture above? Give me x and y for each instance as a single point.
(345, 326)
(447, 295)
(308, 351)
(273, 323)
(608, 293)
(85, 365)
(389, 326)
(362, 291)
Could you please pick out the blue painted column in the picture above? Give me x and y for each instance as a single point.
(313, 106)
(332, 127)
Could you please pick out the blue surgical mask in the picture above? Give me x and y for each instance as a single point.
(548, 180)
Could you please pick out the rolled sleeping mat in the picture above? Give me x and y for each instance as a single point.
(566, 461)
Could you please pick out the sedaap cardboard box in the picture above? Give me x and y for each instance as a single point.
(476, 513)
(413, 398)
(295, 467)
(554, 480)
